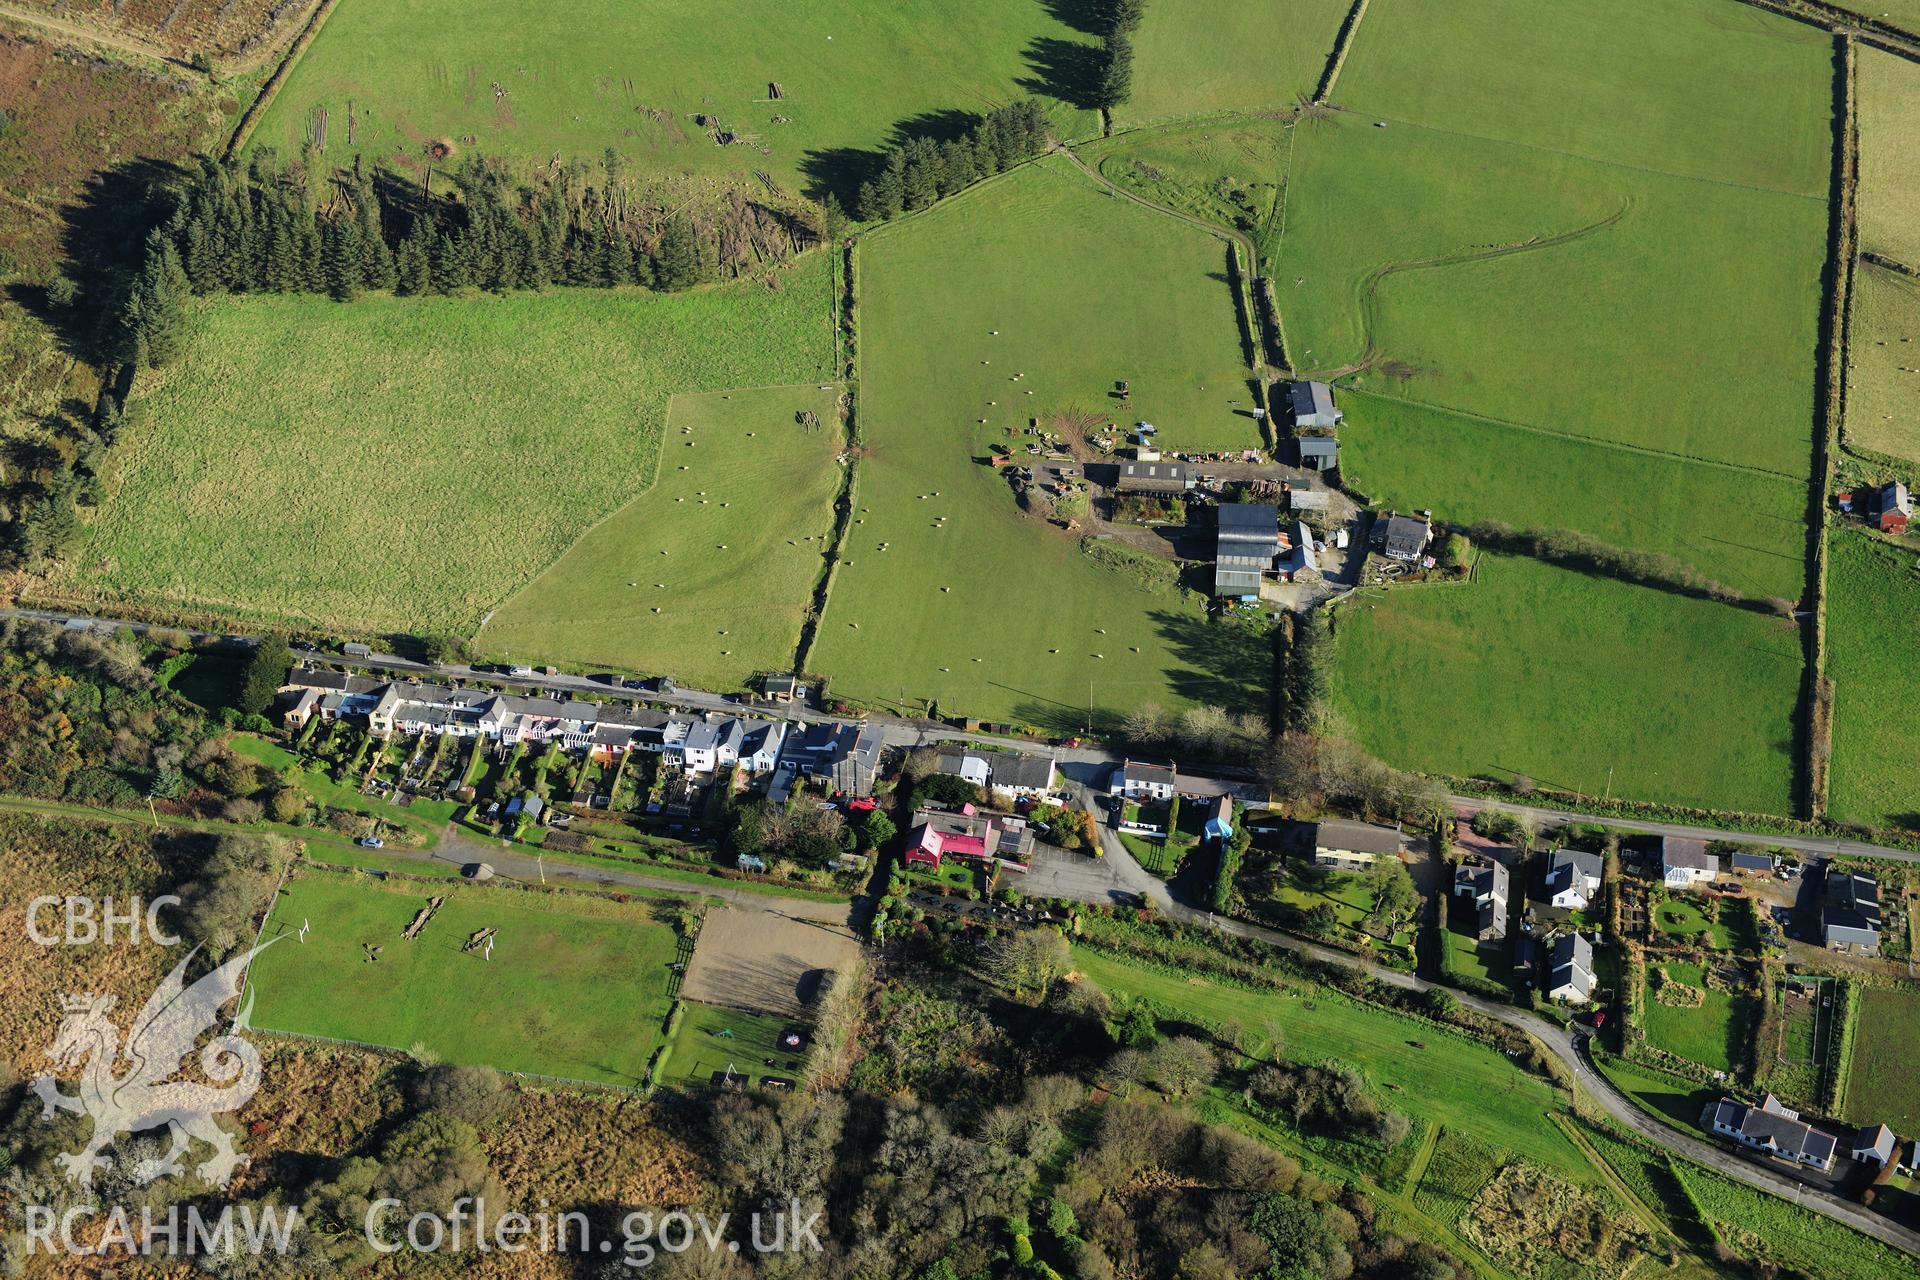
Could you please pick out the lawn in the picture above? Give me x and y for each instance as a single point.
(1883, 348)
(1888, 110)
(1453, 1081)
(1684, 919)
(1193, 56)
(1409, 455)
(651, 589)
(1703, 88)
(1874, 663)
(712, 1039)
(946, 590)
(1469, 957)
(1711, 1033)
(577, 986)
(1538, 670)
(597, 74)
(407, 463)
(1563, 294)
(1881, 1088)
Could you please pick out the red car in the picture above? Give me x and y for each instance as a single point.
(861, 806)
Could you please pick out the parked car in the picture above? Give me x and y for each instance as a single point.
(633, 684)
(371, 842)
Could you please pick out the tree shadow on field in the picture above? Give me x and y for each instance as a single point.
(103, 234)
(839, 171)
(1228, 666)
(1064, 69)
(1089, 17)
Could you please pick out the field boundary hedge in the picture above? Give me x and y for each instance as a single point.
(271, 89)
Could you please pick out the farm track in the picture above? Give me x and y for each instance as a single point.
(73, 31)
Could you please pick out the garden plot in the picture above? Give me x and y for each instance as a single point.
(1881, 1086)
(768, 963)
(1695, 1013)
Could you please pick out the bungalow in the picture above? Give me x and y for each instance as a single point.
(1311, 404)
(1407, 537)
(1165, 478)
(1353, 846)
(1573, 878)
(1572, 978)
(1684, 863)
(1135, 781)
(1016, 775)
(1895, 507)
(1773, 1128)
(1318, 453)
(1486, 882)
(1850, 912)
(1876, 1143)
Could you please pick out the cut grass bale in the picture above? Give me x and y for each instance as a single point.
(1585, 684)
(406, 463)
(1887, 107)
(577, 986)
(1084, 289)
(1408, 455)
(1193, 56)
(1709, 89)
(1873, 659)
(641, 78)
(1562, 294)
(1883, 362)
(1881, 1087)
(770, 483)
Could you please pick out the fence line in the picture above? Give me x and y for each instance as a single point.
(387, 1050)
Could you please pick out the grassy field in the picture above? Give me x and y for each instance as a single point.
(1677, 1101)
(651, 589)
(1888, 108)
(1670, 314)
(1459, 1168)
(1708, 1033)
(1874, 663)
(1544, 671)
(1411, 455)
(945, 588)
(1228, 172)
(1769, 1227)
(712, 1039)
(1883, 392)
(1469, 1088)
(1711, 90)
(483, 434)
(1881, 1088)
(577, 986)
(1192, 56)
(602, 74)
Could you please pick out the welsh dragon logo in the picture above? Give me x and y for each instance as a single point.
(145, 1096)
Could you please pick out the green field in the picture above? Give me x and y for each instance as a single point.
(577, 986)
(1679, 1102)
(594, 74)
(1193, 56)
(1883, 350)
(407, 463)
(1575, 297)
(710, 1040)
(946, 590)
(1873, 597)
(1887, 104)
(651, 589)
(1468, 1087)
(1881, 1088)
(1707, 89)
(1408, 455)
(1710, 1033)
(1583, 683)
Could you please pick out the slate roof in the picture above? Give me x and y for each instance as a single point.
(1019, 769)
(1572, 964)
(1356, 837)
(1688, 855)
(1406, 536)
(1564, 864)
